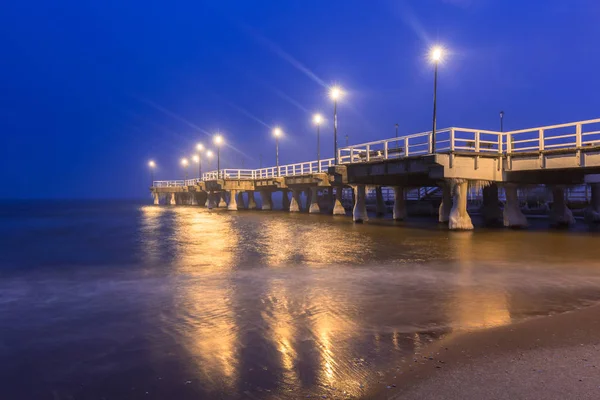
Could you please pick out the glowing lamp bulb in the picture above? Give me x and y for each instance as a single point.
(277, 132)
(199, 147)
(335, 93)
(436, 54)
(317, 119)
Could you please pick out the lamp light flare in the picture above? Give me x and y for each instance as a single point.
(209, 154)
(436, 53)
(199, 147)
(151, 164)
(317, 119)
(196, 158)
(218, 139)
(335, 92)
(277, 132)
(184, 162)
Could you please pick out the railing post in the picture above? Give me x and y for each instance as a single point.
(430, 136)
(368, 152)
(477, 138)
(239, 174)
(385, 150)
(405, 147)
(351, 155)
(578, 144)
(541, 147)
(452, 140)
(301, 169)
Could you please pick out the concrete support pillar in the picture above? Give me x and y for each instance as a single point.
(379, 203)
(446, 205)
(210, 200)
(592, 213)
(295, 204)
(155, 198)
(202, 199)
(285, 200)
(560, 215)
(193, 199)
(491, 211)
(330, 201)
(172, 199)
(222, 202)
(338, 208)
(459, 217)
(232, 206)
(251, 200)
(314, 203)
(307, 196)
(359, 214)
(240, 200)
(513, 216)
(399, 204)
(267, 203)
(207, 204)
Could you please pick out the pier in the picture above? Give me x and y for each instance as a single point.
(452, 163)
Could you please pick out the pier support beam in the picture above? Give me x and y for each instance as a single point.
(222, 202)
(314, 202)
(267, 202)
(285, 200)
(155, 198)
(592, 213)
(491, 211)
(359, 214)
(172, 199)
(252, 201)
(446, 205)
(560, 215)
(338, 208)
(307, 196)
(459, 217)
(399, 204)
(232, 206)
(295, 204)
(193, 199)
(379, 203)
(210, 200)
(513, 216)
(330, 199)
(240, 200)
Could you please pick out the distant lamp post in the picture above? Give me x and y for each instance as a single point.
(318, 119)
(436, 55)
(198, 161)
(277, 133)
(501, 121)
(209, 156)
(151, 165)
(185, 163)
(335, 93)
(218, 140)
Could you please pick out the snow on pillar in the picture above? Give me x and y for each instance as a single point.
(155, 197)
(295, 204)
(560, 215)
(592, 213)
(285, 200)
(513, 216)
(265, 195)
(222, 202)
(459, 217)
(314, 202)
(251, 200)
(232, 206)
(379, 203)
(492, 214)
(172, 199)
(359, 214)
(446, 205)
(338, 208)
(240, 200)
(399, 204)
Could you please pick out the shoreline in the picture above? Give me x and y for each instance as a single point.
(549, 357)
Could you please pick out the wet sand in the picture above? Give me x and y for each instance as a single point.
(553, 357)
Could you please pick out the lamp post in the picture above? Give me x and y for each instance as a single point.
(335, 93)
(218, 140)
(317, 119)
(436, 55)
(501, 121)
(151, 165)
(196, 159)
(277, 133)
(199, 149)
(185, 163)
(209, 155)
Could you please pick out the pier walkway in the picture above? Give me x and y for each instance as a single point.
(557, 156)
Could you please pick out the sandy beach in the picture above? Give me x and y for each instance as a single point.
(553, 357)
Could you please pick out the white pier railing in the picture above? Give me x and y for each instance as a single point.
(575, 135)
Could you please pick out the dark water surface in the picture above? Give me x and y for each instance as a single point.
(119, 300)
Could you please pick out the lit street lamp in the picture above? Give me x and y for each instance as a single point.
(184, 163)
(335, 93)
(198, 160)
(436, 54)
(151, 165)
(218, 140)
(277, 133)
(317, 119)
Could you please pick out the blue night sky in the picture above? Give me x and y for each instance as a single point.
(90, 91)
